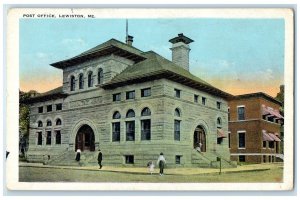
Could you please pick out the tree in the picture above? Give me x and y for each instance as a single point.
(280, 96)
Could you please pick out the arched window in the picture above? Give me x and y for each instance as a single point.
(146, 112)
(49, 123)
(177, 112)
(177, 125)
(90, 79)
(130, 126)
(58, 137)
(146, 124)
(72, 83)
(81, 81)
(130, 113)
(40, 124)
(116, 127)
(116, 115)
(219, 122)
(58, 122)
(100, 76)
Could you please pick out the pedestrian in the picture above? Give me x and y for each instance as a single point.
(78, 155)
(151, 167)
(161, 161)
(100, 159)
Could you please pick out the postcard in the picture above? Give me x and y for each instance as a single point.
(150, 99)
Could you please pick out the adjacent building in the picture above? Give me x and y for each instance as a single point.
(254, 128)
(132, 105)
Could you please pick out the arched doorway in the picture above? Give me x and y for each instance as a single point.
(200, 137)
(85, 139)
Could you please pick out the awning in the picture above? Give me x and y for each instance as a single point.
(274, 137)
(270, 111)
(221, 133)
(266, 137)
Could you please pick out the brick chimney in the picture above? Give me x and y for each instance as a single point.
(180, 50)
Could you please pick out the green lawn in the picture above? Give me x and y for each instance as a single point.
(32, 174)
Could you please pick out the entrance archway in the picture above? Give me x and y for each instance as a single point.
(200, 137)
(85, 139)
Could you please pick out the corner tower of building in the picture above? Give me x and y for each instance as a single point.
(180, 50)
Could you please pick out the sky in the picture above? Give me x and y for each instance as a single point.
(238, 56)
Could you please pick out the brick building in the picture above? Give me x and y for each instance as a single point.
(254, 128)
(133, 105)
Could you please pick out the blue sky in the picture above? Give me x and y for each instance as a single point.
(236, 55)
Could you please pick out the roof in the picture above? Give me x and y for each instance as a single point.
(112, 46)
(258, 94)
(181, 38)
(51, 94)
(157, 67)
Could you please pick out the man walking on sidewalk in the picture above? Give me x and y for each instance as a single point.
(100, 159)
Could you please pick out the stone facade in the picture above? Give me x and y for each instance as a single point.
(95, 106)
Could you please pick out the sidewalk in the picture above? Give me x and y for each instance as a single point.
(168, 171)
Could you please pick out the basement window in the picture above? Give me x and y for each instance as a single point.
(129, 159)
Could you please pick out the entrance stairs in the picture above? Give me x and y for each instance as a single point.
(67, 158)
(209, 160)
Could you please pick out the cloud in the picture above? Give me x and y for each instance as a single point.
(266, 74)
(41, 55)
(73, 41)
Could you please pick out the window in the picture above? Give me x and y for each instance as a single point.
(90, 79)
(116, 115)
(264, 144)
(130, 114)
(146, 112)
(203, 101)
(116, 131)
(219, 122)
(130, 95)
(117, 97)
(129, 159)
(130, 131)
(58, 137)
(146, 92)
(242, 140)
(100, 76)
(40, 138)
(229, 134)
(271, 144)
(242, 159)
(241, 113)
(48, 139)
(40, 124)
(218, 105)
(59, 106)
(196, 97)
(58, 122)
(49, 108)
(40, 109)
(219, 140)
(81, 81)
(146, 124)
(177, 159)
(177, 93)
(72, 83)
(177, 112)
(49, 123)
(228, 114)
(146, 129)
(177, 130)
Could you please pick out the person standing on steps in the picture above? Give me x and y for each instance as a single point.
(100, 159)
(78, 155)
(161, 161)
